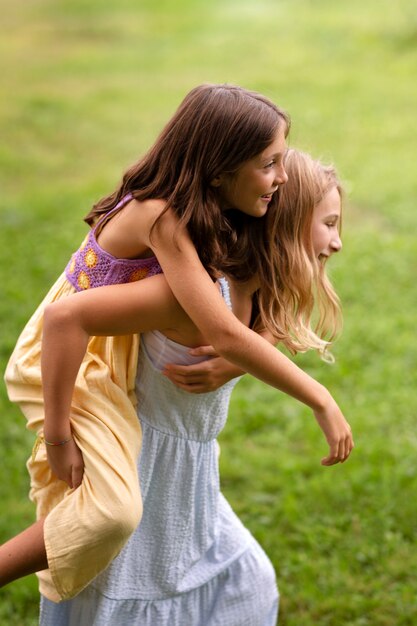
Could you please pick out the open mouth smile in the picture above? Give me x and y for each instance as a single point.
(268, 196)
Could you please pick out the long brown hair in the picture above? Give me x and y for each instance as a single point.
(296, 300)
(215, 130)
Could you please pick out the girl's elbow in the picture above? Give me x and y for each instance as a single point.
(225, 342)
(57, 317)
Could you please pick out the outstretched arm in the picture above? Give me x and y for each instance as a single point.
(196, 293)
(68, 325)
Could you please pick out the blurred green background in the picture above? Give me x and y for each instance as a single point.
(86, 87)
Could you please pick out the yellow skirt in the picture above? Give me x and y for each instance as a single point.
(84, 528)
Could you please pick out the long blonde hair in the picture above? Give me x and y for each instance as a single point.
(296, 301)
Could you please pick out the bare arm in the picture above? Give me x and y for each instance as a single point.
(198, 296)
(208, 375)
(114, 310)
(68, 325)
(215, 371)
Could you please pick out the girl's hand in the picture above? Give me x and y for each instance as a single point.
(337, 432)
(66, 462)
(202, 377)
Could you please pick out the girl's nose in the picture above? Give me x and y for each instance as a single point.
(336, 244)
(281, 175)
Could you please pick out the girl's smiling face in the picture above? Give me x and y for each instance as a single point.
(250, 190)
(325, 225)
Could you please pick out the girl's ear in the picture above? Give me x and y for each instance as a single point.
(216, 182)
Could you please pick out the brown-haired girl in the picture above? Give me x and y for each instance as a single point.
(190, 561)
(197, 200)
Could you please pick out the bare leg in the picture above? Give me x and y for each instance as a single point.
(24, 554)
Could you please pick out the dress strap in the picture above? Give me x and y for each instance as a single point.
(225, 289)
(127, 198)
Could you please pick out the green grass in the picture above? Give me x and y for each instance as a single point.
(86, 88)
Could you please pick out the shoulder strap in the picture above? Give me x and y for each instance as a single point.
(225, 290)
(127, 198)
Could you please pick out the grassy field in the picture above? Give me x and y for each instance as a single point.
(86, 86)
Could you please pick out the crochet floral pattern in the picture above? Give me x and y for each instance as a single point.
(91, 266)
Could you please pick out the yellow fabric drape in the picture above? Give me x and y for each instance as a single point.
(87, 527)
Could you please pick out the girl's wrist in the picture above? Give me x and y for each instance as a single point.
(57, 443)
(321, 399)
(55, 433)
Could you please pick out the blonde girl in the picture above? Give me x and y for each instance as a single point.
(190, 561)
(182, 209)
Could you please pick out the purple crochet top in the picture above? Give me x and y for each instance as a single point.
(91, 266)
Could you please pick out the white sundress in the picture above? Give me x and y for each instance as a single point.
(190, 562)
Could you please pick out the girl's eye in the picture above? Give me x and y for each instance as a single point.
(269, 165)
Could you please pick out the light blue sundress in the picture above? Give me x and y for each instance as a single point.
(190, 562)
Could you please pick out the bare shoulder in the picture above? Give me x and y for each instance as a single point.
(126, 234)
(155, 211)
(152, 206)
(144, 211)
